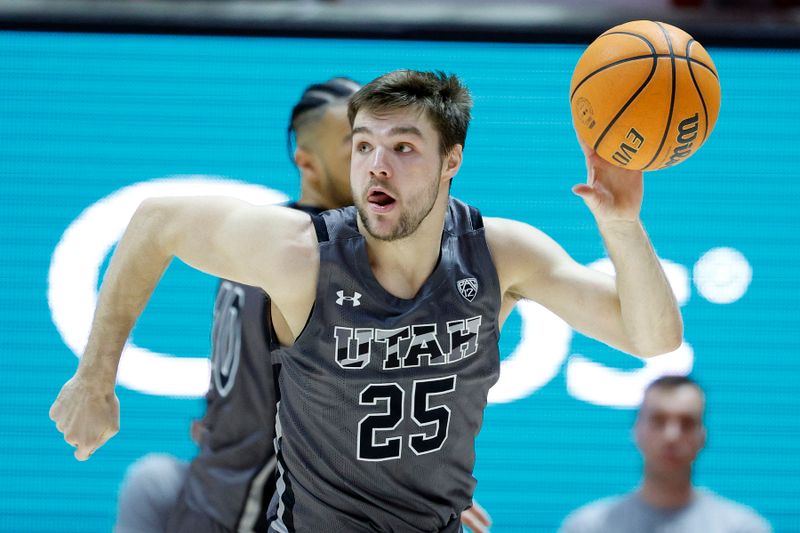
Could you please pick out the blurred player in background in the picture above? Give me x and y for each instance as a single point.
(227, 486)
(669, 433)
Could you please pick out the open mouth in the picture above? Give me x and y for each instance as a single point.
(380, 199)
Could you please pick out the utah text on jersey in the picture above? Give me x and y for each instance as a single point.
(410, 346)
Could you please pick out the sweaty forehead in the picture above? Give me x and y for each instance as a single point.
(384, 121)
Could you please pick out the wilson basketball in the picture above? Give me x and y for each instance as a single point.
(645, 95)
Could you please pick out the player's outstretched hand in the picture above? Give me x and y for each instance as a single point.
(476, 518)
(87, 415)
(610, 192)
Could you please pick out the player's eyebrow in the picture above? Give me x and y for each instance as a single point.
(396, 130)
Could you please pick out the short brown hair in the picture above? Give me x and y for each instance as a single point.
(444, 99)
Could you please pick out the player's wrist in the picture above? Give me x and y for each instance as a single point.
(96, 376)
(619, 227)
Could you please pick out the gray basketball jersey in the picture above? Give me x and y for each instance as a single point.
(381, 398)
(234, 470)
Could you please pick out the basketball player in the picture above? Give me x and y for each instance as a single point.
(669, 432)
(227, 486)
(388, 313)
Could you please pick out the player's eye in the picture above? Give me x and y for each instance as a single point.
(689, 424)
(362, 147)
(403, 148)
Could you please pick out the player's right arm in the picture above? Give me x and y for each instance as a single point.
(270, 247)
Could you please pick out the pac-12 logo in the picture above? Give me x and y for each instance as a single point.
(468, 287)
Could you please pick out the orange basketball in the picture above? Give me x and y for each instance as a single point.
(645, 95)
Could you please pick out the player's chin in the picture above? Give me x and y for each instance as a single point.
(383, 228)
(384, 232)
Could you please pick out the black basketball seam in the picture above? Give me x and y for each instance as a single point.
(671, 97)
(606, 67)
(693, 60)
(699, 92)
(635, 95)
(635, 58)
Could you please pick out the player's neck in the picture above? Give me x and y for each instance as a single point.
(402, 266)
(669, 491)
(310, 197)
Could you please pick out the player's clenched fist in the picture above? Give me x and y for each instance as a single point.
(87, 415)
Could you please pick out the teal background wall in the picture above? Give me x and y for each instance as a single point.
(89, 120)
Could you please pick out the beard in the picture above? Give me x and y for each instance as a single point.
(410, 219)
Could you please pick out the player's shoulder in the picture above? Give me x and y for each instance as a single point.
(509, 230)
(740, 516)
(266, 232)
(520, 247)
(592, 517)
(336, 224)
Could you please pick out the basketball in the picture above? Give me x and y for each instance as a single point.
(645, 95)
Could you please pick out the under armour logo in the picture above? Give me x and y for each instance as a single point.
(468, 287)
(354, 299)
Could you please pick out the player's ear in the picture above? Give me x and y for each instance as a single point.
(635, 432)
(306, 164)
(452, 162)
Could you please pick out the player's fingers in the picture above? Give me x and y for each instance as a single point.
(70, 439)
(64, 421)
(56, 411)
(583, 190)
(53, 412)
(86, 447)
(480, 514)
(474, 525)
(68, 424)
(106, 435)
(111, 429)
(82, 453)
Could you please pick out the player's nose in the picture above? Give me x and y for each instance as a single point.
(379, 164)
(672, 431)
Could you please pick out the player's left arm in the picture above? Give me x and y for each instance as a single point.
(635, 311)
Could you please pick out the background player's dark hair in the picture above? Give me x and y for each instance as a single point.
(444, 99)
(314, 102)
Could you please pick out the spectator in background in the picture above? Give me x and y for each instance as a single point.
(669, 433)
